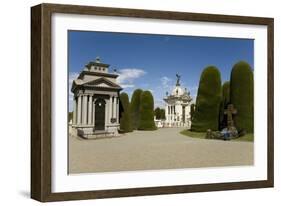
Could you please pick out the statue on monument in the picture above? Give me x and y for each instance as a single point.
(178, 79)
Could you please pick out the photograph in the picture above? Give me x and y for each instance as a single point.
(133, 102)
(139, 101)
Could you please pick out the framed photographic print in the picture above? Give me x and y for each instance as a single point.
(130, 102)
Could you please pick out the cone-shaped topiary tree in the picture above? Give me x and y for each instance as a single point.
(162, 114)
(206, 115)
(157, 113)
(146, 112)
(135, 108)
(224, 102)
(125, 120)
(226, 93)
(242, 95)
(192, 110)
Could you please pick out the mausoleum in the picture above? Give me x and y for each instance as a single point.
(96, 101)
(177, 108)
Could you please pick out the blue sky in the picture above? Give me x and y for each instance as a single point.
(150, 62)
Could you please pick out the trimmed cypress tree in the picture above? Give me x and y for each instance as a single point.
(146, 112)
(226, 93)
(242, 95)
(162, 114)
(225, 101)
(157, 113)
(206, 115)
(192, 110)
(135, 108)
(125, 121)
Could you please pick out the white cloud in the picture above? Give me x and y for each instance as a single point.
(71, 77)
(127, 77)
(167, 84)
(166, 81)
(127, 86)
(159, 103)
(193, 90)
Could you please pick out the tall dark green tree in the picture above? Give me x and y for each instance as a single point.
(225, 101)
(146, 112)
(135, 108)
(162, 114)
(159, 113)
(125, 120)
(242, 95)
(192, 110)
(206, 115)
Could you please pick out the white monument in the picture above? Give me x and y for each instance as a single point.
(96, 101)
(177, 108)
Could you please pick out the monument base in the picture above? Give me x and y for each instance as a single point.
(89, 132)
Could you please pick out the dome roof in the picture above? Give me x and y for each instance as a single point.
(177, 91)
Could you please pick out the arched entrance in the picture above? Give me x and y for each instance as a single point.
(99, 114)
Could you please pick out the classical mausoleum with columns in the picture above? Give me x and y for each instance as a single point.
(96, 101)
(178, 107)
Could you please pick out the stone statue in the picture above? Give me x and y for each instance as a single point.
(178, 79)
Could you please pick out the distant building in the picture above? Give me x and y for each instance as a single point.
(96, 101)
(177, 108)
(159, 123)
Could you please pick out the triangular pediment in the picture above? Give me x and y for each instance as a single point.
(102, 82)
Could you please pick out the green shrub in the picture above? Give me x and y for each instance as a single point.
(162, 114)
(242, 95)
(135, 108)
(159, 113)
(206, 115)
(125, 120)
(146, 112)
(225, 101)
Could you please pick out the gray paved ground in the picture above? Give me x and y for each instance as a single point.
(150, 150)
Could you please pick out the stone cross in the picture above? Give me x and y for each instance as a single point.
(229, 112)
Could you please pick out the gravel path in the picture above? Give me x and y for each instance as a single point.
(149, 150)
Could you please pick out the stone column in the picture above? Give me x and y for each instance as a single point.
(110, 109)
(107, 121)
(173, 114)
(169, 115)
(90, 110)
(93, 112)
(79, 114)
(84, 109)
(114, 107)
(117, 110)
(166, 113)
(74, 110)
